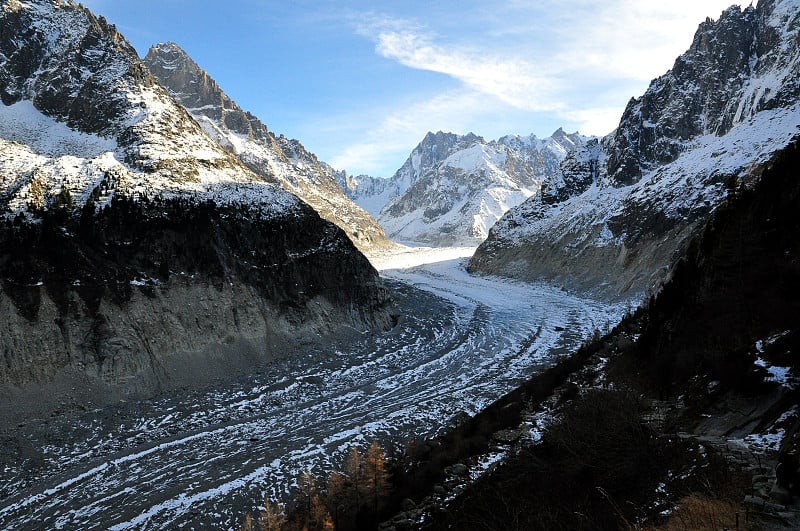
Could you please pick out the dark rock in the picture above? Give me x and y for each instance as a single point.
(459, 469)
(754, 501)
(780, 495)
(408, 505)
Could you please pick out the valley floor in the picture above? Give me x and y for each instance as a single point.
(203, 457)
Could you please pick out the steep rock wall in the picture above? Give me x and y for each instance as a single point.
(146, 295)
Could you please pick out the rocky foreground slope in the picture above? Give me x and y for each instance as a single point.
(623, 209)
(687, 412)
(138, 253)
(275, 158)
(453, 188)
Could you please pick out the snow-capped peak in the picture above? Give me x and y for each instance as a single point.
(452, 188)
(80, 109)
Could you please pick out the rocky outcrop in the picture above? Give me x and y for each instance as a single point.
(734, 69)
(67, 78)
(453, 188)
(273, 157)
(81, 110)
(622, 210)
(132, 242)
(123, 294)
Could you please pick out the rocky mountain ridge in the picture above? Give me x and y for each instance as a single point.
(274, 157)
(115, 207)
(81, 111)
(623, 209)
(452, 188)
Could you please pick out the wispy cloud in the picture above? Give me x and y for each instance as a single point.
(510, 79)
(626, 39)
(578, 61)
(593, 120)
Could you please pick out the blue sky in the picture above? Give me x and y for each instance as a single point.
(359, 83)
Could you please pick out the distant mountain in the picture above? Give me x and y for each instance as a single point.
(374, 193)
(452, 188)
(275, 158)
(621, 210)
(137, 253)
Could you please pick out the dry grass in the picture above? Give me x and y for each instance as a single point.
(702, 513)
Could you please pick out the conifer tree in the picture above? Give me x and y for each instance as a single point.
(248, 524)
(318, 517)
(354, 470)
(376, 476)
(339, 496)
(306, 492)
(272, 517)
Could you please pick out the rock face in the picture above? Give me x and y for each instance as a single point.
(81, 111)
(453, 188)
(136, 250)
(621, 210)
(373, 193)
(275, 158)
(142, 286)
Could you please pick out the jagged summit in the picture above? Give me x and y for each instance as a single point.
(273, 157)
(65, 72)
(620, 210)
(735, 67)
(452, 188)
(200, 94)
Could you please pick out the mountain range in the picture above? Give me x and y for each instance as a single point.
(156, 238)
(453, 188)
(274, 158)
(619, 213)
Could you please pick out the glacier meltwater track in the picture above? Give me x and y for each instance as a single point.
(201, 457)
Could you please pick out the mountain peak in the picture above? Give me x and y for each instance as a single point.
(275, 158)
(168, 47)
(736, 66)
(170, 56)
(625, 204)
(72, 84)
(452, 187)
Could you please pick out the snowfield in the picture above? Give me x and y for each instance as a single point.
(203, 457)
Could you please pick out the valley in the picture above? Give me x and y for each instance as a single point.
(196, 310)
(203, 456)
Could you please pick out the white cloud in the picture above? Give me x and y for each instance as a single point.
(513, 80)
(510, 79)
(577, 60)
(626, 39)
(597, 121)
